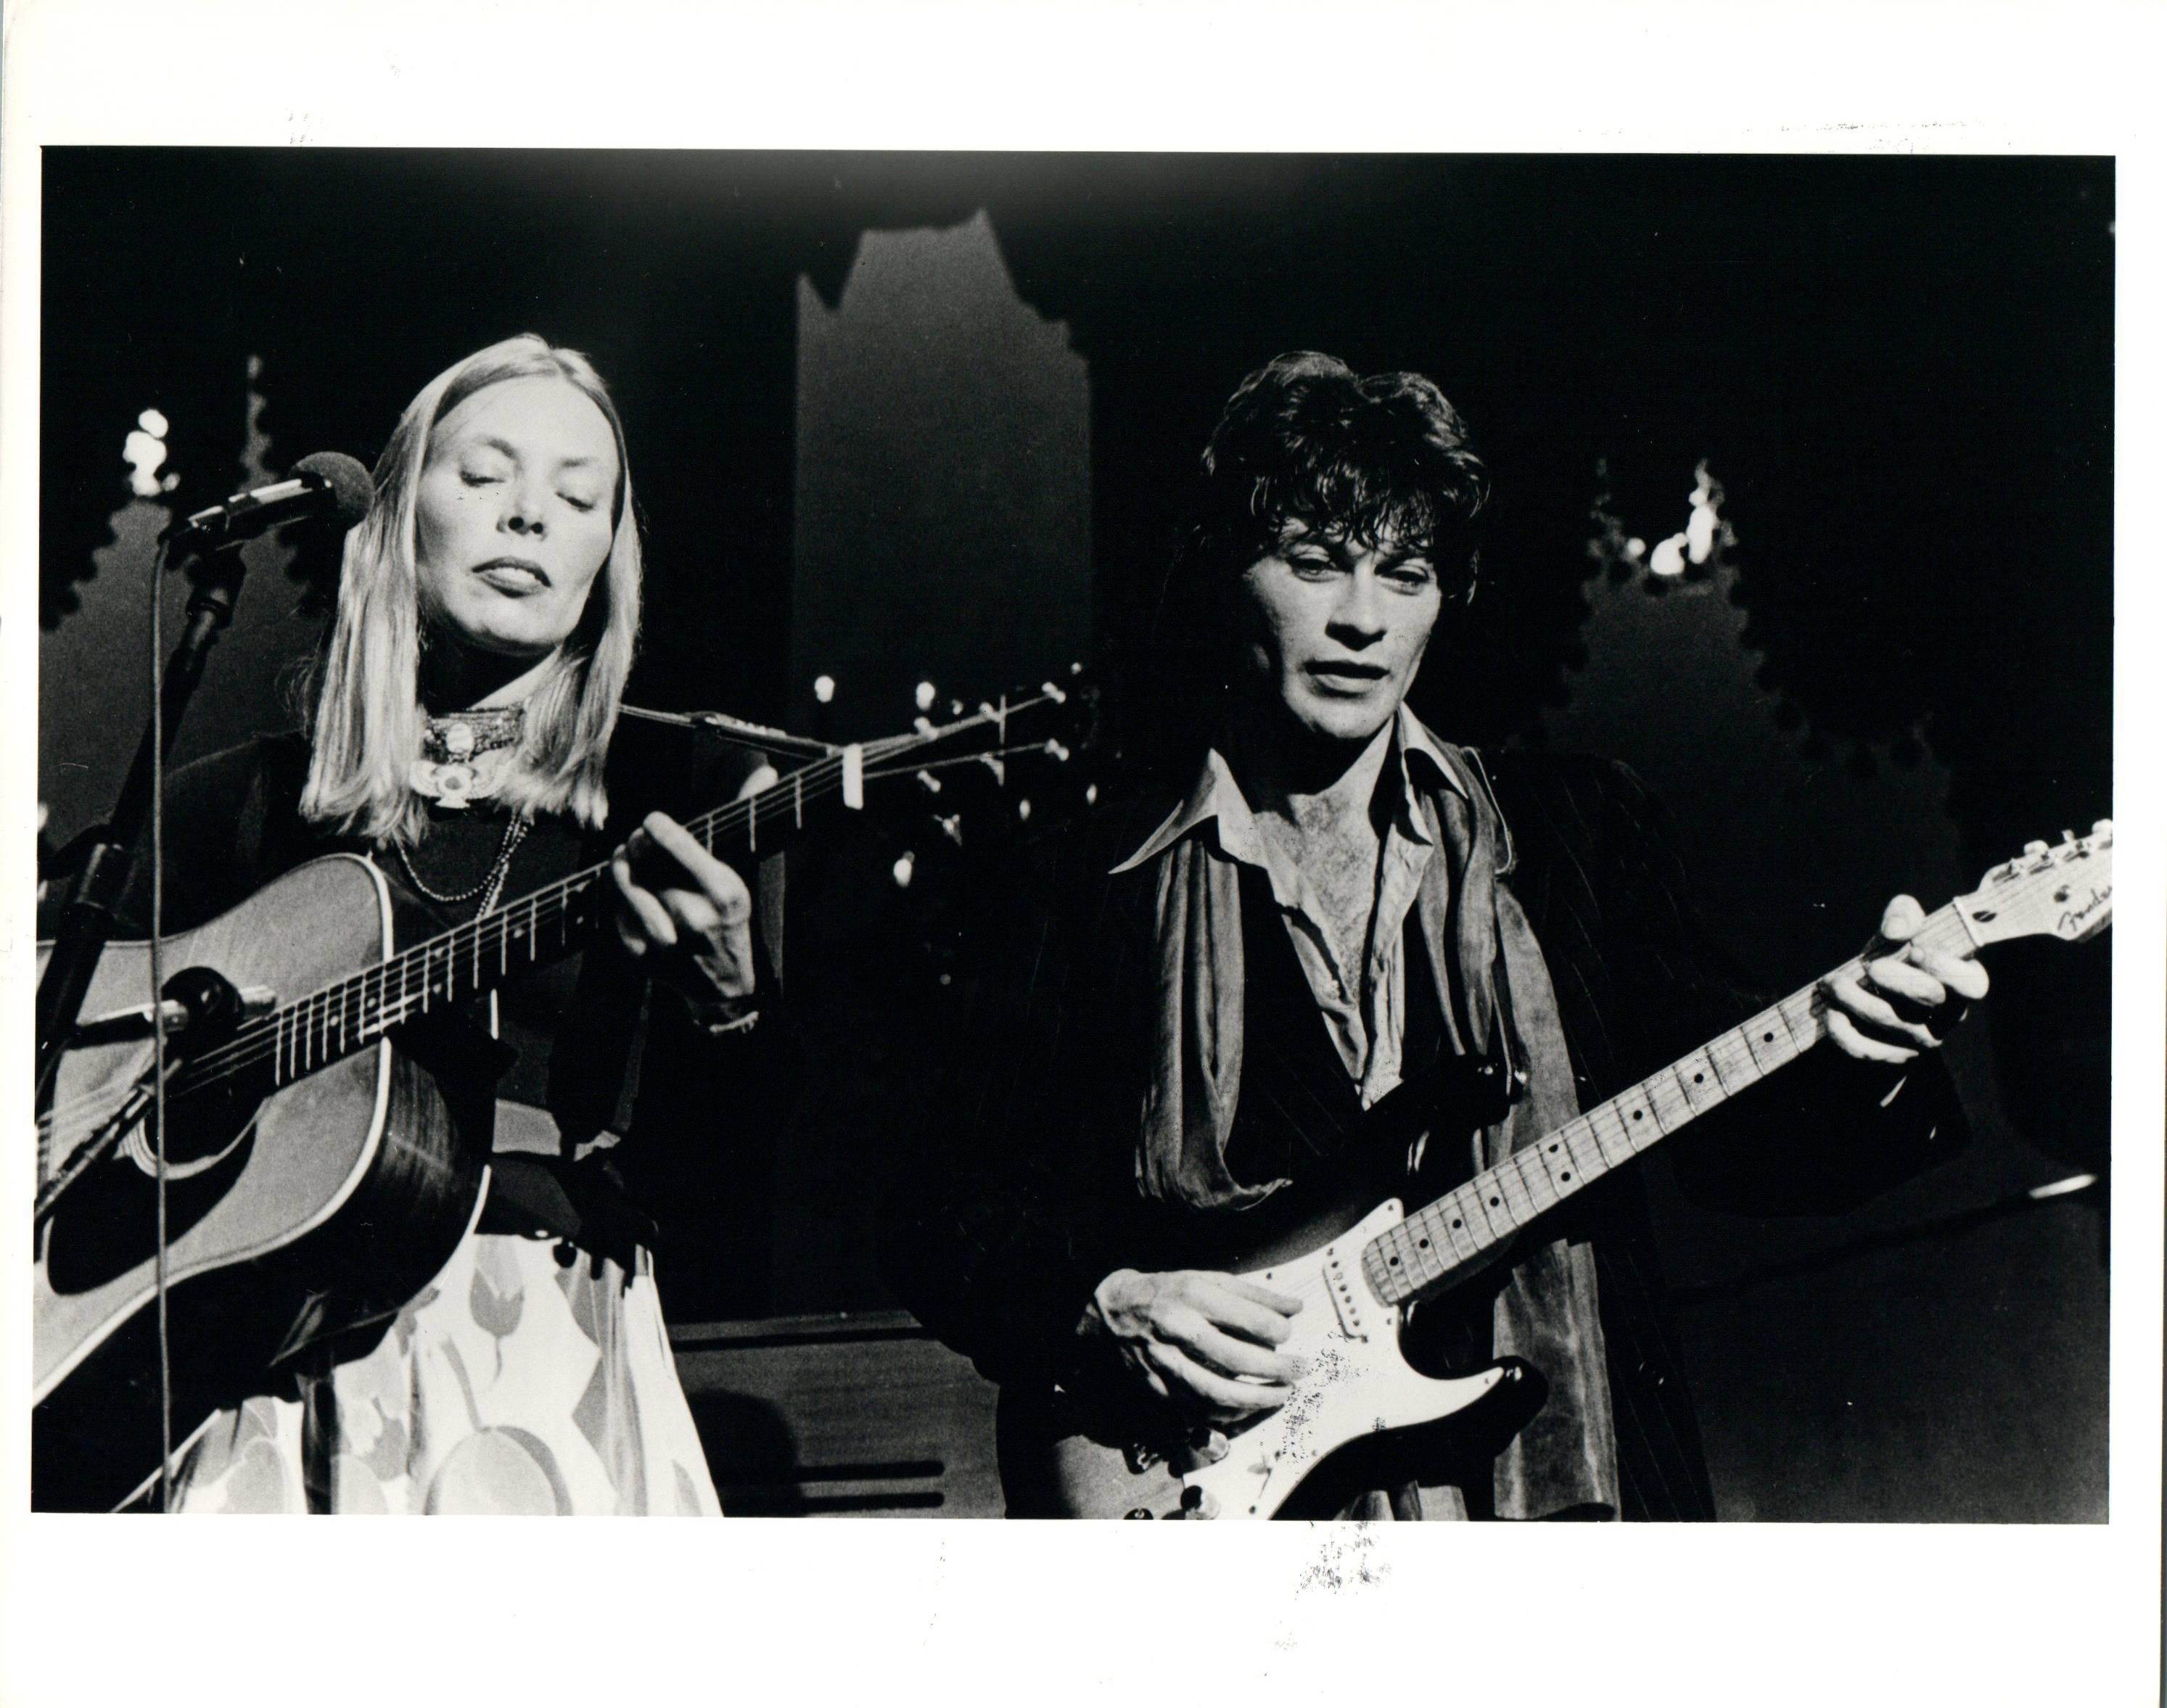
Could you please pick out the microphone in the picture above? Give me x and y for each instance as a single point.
(326, 484)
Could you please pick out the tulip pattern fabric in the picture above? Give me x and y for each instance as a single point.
(511, 1383)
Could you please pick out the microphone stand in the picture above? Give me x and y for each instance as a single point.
(85, 923)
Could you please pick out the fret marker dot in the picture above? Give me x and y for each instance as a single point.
(1636, 1114)
(1767, 1038)
(1697, 1079)
(1493, 1203)
(1564, 1175)
(1455, 1221)
(1395, 1263)
(1424, 1244)
(1553, 1149)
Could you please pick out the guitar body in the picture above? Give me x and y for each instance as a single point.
(1344, 1429)
(350, 1184)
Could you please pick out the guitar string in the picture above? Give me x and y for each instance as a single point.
(276, 1041)
(1959, 939)
(1729, 1049)
(546, 909)
(1540, 1193)
(812, 781)
(265, 1036)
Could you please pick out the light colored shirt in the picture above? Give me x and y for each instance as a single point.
(1365, 1008)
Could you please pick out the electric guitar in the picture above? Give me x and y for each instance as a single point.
(1358, 1264)
(310, 1157)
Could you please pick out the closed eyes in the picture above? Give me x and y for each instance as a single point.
(480, 478)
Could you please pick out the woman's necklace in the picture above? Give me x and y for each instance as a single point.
(492, 884)
(465, 757)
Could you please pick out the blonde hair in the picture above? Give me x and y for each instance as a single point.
(365, 725)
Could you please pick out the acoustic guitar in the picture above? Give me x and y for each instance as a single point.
(314, 1175)
(1358, 1264)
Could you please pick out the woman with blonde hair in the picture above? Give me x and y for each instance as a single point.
(459, 732)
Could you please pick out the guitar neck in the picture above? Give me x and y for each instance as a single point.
(1473, 1220)
(473, 959)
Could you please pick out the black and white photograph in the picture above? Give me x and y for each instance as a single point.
(1027, 833)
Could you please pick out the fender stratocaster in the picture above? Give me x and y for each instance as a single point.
(1358, 1267)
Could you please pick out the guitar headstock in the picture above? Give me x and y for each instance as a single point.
(2064, 891)
(1004, 762)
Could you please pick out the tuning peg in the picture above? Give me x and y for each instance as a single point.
(955, 708)
(2103, 827)
(1052, 693)
(905, 867)
(1023, 807)
(951, 827)
(823, 689)
(929, 782)
(923, 725)
(926, 696)
(2034, 849)
(2068, 837)
(1059, 751)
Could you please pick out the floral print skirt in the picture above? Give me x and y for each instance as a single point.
(511, 1383)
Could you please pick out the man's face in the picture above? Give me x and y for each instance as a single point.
(1333, 631)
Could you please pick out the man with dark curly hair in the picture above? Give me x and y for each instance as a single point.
(1212, 1010)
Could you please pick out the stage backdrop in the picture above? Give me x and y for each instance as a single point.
(1803, 473)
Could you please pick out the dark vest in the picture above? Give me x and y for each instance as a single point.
(1298, 1106)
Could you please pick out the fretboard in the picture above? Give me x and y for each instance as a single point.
(305, 1036)
(1473, 1220)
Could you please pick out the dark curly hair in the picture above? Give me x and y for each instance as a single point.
(1307, 439)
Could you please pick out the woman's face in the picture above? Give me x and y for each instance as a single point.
(513, 518)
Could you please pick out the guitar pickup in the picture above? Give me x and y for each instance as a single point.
(1342, 1282)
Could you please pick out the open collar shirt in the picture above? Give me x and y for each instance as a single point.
(1365, 1008)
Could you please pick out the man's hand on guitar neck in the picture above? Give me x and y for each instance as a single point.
(1192, 1336)
(683, 914)
(1881, 1017)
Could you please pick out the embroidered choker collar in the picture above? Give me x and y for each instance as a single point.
(464, 756)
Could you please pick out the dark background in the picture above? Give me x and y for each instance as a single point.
(1896, 671)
